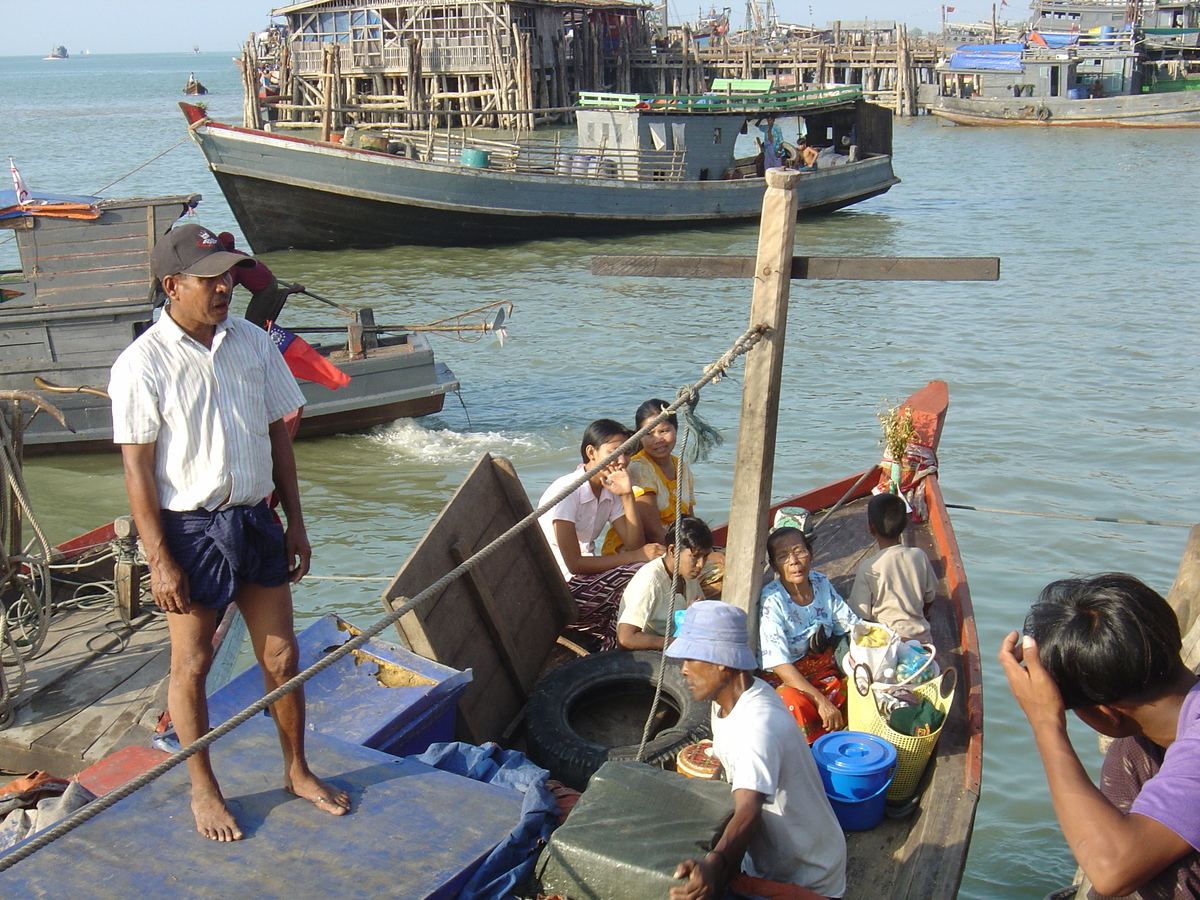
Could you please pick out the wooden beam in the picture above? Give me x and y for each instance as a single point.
(811, 268)
(754, 465)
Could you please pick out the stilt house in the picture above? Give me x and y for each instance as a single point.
(494, 61)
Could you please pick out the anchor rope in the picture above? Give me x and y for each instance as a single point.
(183, 140)
(1049, 515)
(714, 372)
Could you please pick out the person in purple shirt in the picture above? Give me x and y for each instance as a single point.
(1109, 648)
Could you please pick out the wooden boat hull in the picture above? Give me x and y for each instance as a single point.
(923, 855)
(397, 380)
(1179, 109)
(289, 192)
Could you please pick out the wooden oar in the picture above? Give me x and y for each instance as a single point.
(45, 385)
(346, 311)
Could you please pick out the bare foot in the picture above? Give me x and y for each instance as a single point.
(325, 796)
(213, 818)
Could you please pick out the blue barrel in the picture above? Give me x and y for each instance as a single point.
(856, 769)
(476, 159)
(1076, 93)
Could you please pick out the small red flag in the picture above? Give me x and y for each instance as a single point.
(304, 361)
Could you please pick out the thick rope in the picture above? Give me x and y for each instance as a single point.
(676, 582)
(712, 373)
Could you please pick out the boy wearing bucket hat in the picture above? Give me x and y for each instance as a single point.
(782, 821)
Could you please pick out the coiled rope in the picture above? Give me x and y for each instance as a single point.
(712, 373)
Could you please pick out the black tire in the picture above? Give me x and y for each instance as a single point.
(571, 757)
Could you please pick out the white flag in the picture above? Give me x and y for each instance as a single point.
(23, 195)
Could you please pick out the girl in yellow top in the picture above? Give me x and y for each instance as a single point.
(656, 475)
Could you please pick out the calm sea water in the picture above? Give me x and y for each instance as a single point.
(1073, 380)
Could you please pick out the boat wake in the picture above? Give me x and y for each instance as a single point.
(407, 439)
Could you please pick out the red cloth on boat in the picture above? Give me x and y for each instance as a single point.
(822, 673)
(743, 885)
(32, 782)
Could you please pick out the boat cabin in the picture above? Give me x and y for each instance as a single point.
(1001, 71)
(696, 138)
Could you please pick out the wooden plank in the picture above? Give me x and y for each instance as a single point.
(810, 268)
(528, 607)
(755, 459)
(1184, 598)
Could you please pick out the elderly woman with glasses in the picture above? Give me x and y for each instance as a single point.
(801, 617)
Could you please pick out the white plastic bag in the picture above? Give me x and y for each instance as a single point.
(878, 658)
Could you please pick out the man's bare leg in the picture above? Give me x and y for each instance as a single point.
(191, 658)
(268, 615)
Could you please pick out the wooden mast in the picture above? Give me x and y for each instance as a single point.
(754, 464)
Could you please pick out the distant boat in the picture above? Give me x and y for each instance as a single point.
(196, 48)
(59, 52)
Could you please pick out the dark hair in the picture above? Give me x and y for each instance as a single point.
(1105, 638)
(689, 533)
(776, 537)
(652, 408)
(600, 431)
(887, 514)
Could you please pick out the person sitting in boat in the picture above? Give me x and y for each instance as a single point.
(267, 294)
(807, 155)
(644, 619)
(782, 822)
(575, 522)
(801, 616)
(895, 587)
(1096, 90)
(657, 475)
(1109, 648)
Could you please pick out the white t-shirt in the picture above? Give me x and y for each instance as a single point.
(583, 509)
(799, 839)
(647, 598)
(207, 410)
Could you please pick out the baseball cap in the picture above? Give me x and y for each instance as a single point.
(714, 632)
(193, 250)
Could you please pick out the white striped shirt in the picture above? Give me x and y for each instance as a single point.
(206, 410)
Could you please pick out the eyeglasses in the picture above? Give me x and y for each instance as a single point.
(799, 553)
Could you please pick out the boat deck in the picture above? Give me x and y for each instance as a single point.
(97, 686)
(413, 832)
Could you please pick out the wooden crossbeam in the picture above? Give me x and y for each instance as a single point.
(812, 268)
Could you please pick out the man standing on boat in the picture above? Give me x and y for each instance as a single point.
(1108, 647)
(198, 404)
(782, 821)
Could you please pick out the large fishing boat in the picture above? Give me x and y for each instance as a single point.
(638, 163)
(1081, 64)
(84, 292)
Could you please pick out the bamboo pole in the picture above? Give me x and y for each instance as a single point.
(754, 465)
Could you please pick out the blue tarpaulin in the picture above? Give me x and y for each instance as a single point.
(511, 863)
(997, 57)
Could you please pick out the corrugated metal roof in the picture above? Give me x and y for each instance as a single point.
(566, 4)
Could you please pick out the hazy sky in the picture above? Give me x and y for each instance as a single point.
(32, 27)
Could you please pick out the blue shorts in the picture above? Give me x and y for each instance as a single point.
(218, 551)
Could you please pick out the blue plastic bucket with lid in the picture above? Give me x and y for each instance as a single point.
(856, 769)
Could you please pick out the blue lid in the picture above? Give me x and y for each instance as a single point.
(853, 753)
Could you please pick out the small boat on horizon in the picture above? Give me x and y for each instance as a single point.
(59, 52)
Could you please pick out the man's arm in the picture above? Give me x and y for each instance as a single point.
(1118, 852)
(705, 877)
(168, 583)
(287, 487)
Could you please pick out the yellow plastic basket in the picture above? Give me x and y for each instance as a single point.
(912, 753)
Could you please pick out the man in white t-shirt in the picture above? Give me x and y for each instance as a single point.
(782, 822)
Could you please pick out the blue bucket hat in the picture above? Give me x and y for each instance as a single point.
(714, 632)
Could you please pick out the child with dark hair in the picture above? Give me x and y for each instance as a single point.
(895, 587)
(1108, 647)
(643, 621)
(575, 522)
